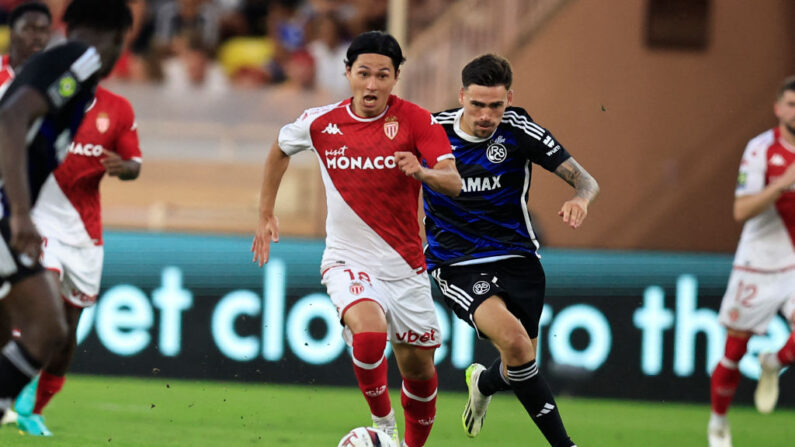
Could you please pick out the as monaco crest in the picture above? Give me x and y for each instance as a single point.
(103, 122)
(391, 127)
(356, 288)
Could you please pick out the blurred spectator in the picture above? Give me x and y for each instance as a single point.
(299, 71)
(192, 67)
(244, 60)
(370, 15)
(198, 18)
(328, 49)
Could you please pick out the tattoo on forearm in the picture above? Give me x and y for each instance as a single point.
(576, 176)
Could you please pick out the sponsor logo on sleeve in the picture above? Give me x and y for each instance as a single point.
(62, 90)
(742, 179)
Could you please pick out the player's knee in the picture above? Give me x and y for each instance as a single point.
(368, 347)
(419, 371)
(516, 346)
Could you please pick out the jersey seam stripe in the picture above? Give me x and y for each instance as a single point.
(443, 286)
(525, 211)
(524, 125)
(461, 291)
(87, 64)
(527, 130)
(525, 121)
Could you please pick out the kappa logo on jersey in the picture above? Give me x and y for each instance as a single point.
(332, 129)
(496, 152)
(89, 150)
(391, 127)
(480, 184)
(103, 122)
(481, 288)
(336, 159)
(778, 160)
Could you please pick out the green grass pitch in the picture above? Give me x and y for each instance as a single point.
(100, 411)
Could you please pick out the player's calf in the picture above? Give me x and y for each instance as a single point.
(370, 367)
(419, 406)
(536, 397)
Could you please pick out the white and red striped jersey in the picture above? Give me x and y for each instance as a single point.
(767, 243)
(68, 207)
(372, 205)
(6, 74)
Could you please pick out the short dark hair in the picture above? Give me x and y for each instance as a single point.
(25, 8)
(787, 86)
(98, 14)
(377, 42)
(488, 70)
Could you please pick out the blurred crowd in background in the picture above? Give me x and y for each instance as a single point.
(216, 45)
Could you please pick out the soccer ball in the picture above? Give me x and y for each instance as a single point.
(366, 437)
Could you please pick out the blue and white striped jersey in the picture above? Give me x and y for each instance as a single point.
(489, 220)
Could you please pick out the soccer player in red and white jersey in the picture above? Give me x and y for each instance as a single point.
(67, 215)
(762, 281)
(374, 149)
(29, 24)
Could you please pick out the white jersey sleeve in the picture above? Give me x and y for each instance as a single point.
(296, 136)
(753, 167)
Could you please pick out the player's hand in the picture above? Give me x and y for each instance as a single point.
(574, 211)
(408, 164)
(25, 240)
(267, 231)
(787, 179)
(113, 163)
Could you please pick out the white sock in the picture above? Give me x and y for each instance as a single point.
(771, 361)
(717, 420)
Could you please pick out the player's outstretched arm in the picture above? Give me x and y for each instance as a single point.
(586, 189)
(16, 115)
(268, 224)
(748, 206)
(443, 178)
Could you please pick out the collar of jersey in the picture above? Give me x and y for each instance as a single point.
(465, 136)
(365, 120)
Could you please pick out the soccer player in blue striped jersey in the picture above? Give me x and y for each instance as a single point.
(482, 251)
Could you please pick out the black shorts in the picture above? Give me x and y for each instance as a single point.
(520, 282)
(12, 268)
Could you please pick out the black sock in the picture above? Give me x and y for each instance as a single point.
(534, 393)
(491, 380)
(17, 368)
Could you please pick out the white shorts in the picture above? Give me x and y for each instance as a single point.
(752, 299)
(410, 312)
(79, 268)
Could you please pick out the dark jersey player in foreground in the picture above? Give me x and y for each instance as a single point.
(39, 114)
(482, 250)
